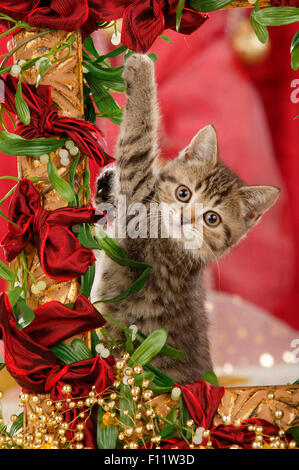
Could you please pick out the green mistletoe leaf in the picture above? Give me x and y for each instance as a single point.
(61, 186)
(6, 273)
(17, 146)
(21, 105)
(149, 348)
(295, 52)
(261, 31)
(277, 16)
(179, 12)
(106, 435)
(23, 314)
(294, 431)
(208, 5)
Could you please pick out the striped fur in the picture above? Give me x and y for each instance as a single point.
(173, 297)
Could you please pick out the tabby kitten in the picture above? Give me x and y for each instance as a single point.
(173, 297)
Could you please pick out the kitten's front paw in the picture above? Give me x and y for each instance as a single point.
(139, 69)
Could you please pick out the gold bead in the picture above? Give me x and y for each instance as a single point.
(189, 423)
(130, 381)
(113, 396)
(270, 395)
(139, 429)
(92, 394)
(49, 438)
(135, 391)
(38, 410)
(128, 372)
(282, 445)
(61, 432)
(209, 444)
(149, 426)
(250, 428)
(138, 415)
(206, 433)
(120, 365)
(156, 439)
(259, 429)
(79, 436)
(49, 403)
(281, 433)
(63, 439)
(13, 418)
(128, 431)
(278, 414)
(237, 423)
(111, 404)
(145, 383)
(137, 370)
(258, 438)
(88, 402)
(79, 446)
(292, 445)
(80, 404)
(82, 415)
(126, 356)
(148, 394)
(32, 417)
(226, 420)
(133, 445)
(58, 405)
(139, 406)
(72, 404)
(116, 384)
(121, 436)
(80, 427)
(24, 397)
(64, 425)
(34, 398)
(66, 389)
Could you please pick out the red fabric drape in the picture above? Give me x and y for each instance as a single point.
(61, 255)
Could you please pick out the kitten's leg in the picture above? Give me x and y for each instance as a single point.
(137, 145)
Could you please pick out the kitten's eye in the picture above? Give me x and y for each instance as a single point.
(212, 219)
(182, 193)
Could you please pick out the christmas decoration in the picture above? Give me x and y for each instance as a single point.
(79, 388)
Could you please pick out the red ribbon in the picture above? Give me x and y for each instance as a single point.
(202, 400)
(45, 122)
(143, 20)
(61, 255)
(37, 370)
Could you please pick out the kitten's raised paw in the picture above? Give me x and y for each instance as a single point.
(138, 68)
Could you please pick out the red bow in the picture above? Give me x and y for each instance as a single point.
(45, 122)
(145, 20)
(61, 256)
(202, 400)
(37, 370)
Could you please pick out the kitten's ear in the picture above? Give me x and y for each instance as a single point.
(256, 200)
(203, 146)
